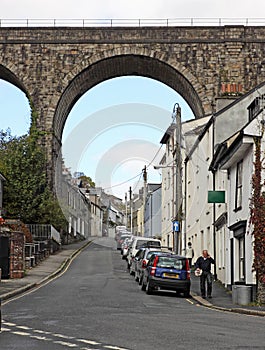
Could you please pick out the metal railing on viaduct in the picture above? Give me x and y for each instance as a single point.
(131, 22)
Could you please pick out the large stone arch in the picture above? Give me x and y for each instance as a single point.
(109, 65)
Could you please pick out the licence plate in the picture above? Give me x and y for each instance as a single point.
(171, 275)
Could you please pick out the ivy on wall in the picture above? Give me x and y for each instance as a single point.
(257, 216)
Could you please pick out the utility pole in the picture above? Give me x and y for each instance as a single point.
(178, 183)
(130, 193)
(145, 191)
(126, 211)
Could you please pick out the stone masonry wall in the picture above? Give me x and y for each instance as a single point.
(55, 66)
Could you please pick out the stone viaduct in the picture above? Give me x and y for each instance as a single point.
(55, 66)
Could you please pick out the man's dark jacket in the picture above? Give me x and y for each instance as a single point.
(204, 264)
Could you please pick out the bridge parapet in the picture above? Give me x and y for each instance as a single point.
(132, 22)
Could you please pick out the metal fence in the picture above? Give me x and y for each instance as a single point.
(131, 22)
(44, 232)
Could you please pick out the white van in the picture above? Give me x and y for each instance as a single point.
(139, 242)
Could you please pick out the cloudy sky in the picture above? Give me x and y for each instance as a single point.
(124, 93)
(130, 8)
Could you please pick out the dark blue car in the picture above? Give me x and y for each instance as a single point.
(167, 271)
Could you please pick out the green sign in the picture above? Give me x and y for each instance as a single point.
(216, 196)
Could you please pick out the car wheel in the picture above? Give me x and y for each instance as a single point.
(136, 277)
(186, 294)
(143, 286)
(148, 290)
(140, 280)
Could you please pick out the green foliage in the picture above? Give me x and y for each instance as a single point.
(87, 182)
(26, 193)
(51, 212)
(257, 218)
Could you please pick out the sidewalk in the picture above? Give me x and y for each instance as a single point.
(222, 299)
(45, 270)
(54, 264)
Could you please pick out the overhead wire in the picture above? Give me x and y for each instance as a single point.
(138, 175)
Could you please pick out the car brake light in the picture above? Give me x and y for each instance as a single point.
(188, 269)
(155, 261)
(153, 270)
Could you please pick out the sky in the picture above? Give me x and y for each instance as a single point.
(115, 152)
(130, 9)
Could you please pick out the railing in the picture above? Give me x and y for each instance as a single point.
(44, 232)
(131, 22)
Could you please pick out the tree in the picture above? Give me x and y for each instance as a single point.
(86, 182)
(23, 165)
(26, 193)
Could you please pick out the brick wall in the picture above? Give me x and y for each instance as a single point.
(17, 255)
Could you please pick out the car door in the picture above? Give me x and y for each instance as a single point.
(138, 260)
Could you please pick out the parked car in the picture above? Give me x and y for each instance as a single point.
(141, 260)
(119, 230)
(135, 259)
(139, 242)
(167, 271)
(121, 239)
(125, 246)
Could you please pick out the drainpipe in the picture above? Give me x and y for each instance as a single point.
(185, 209)
(214, 204)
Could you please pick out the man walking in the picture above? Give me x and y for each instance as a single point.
(190, 254)
(203, 263)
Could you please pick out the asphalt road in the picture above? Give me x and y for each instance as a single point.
(97, 305)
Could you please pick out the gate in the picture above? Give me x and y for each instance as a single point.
(4, 256)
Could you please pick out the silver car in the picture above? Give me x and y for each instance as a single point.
(141, 260)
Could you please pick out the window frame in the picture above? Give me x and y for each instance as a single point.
(239, 186)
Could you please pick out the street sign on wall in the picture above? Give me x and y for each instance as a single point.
(175, 226)
(216, 196)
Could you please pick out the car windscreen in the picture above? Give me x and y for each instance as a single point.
(171, 262)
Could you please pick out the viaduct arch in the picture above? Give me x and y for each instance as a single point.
(56, 66)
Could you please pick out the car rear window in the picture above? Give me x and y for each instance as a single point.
(149, 254)
(171, 262)
(147, 243)
(139, 243)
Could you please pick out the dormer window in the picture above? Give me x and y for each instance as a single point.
(256, 107)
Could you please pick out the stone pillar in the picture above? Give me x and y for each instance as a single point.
(17, 255)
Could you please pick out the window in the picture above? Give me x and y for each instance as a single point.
(168, 180)
(168, 262)
(241, 247)
(238, 199)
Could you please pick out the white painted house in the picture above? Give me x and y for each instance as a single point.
(221, 159)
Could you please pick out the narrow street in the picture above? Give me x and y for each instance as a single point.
(97, 305)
